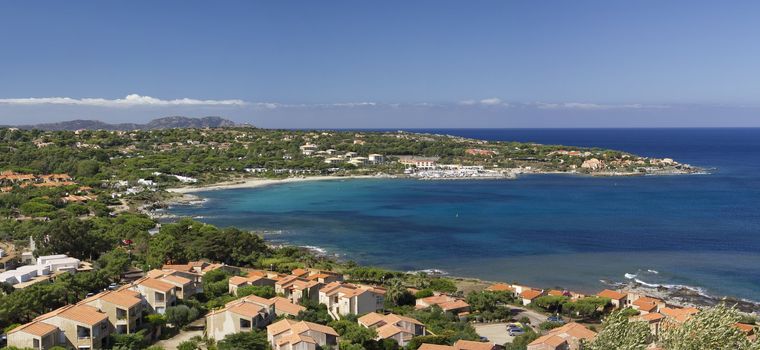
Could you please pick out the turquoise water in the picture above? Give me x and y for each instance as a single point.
(550, 230)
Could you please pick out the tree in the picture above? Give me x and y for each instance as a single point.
(181, 315)
(619, 332)
(215, 283)
(397, 294)
(191, 344)
(352, 332)
(253, 340)
(521, 342)
(550, 303)
(443, 285)
(113, 263)
(315, 313)
(134, 341)
(711, 328)
(88, 168)
(259, 291)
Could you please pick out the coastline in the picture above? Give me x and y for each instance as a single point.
(256, 182)
(259, 182)
(678, 295)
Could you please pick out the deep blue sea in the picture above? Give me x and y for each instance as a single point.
(547, 230)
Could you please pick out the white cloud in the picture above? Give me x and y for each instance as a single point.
(595, 106)
(493, 101)
(129, 101)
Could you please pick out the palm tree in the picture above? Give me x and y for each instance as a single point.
(395, 290)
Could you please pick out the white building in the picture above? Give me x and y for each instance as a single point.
(44, 265)
(376, 158)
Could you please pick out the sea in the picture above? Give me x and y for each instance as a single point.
(581, 233)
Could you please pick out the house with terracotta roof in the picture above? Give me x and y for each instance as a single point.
(184, 286)
(653, 319)
(72, 326)
(500, 287)
(391, 326)
(461, 345)
(294, 335)
(296, 288)
(445, 302)
(677, 314)
(748, 329)
(617, 299)
(158, 294)
(242, 315)
(346, 298)
(124, 309)
(646, 304)
(570, 336)
(283, 306)
(528, 295)
(518, 288)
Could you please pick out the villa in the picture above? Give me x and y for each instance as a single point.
(567, 337)
(346, 298)
(392, 326)
(653, 319)
(295, 288)
(618, 300)
(158, 294)
(72, 326)
(528, 295)
(240, 315)
(47, 265)
(293, 335)
(646, 304)
(445, 302)
(500, 287)
(184, 287)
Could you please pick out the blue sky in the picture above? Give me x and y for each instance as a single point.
(400, 63)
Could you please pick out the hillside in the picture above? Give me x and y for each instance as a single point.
(156, 124)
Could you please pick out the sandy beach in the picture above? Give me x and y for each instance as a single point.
(259, 182)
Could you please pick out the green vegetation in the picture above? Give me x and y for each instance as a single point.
(620, 332)
(259, 291)
(253, 340)
(590, 308)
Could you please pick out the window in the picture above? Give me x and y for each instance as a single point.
(245, 324)
(36, 343)
(83, 332)
(121, 314)
(160, 298)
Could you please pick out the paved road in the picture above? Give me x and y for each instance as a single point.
(535, 318)
(497, 332)
(173, 342)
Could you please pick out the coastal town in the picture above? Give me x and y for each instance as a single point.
(126, 308)
(87, 265)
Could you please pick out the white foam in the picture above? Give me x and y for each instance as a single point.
(653, 271)
(432, 272)
(315, 249)
(630, 276)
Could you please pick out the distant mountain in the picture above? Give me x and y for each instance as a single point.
(160, 123)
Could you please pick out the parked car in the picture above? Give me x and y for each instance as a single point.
(515, 331)
(555, 319)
